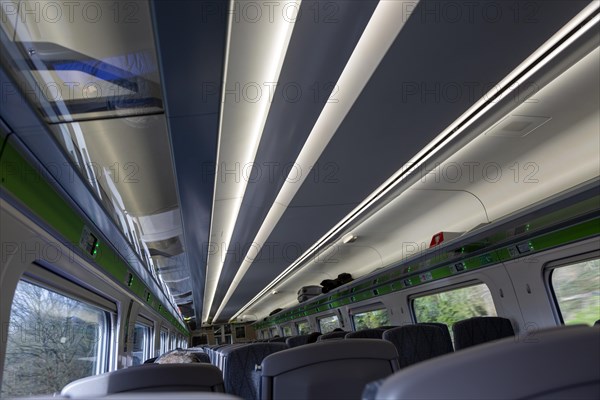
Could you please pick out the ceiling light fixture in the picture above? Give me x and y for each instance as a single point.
(349, 238)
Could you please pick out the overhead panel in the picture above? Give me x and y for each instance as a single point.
(89, 59)
(324, 37)
(406, 103)
(191, 41)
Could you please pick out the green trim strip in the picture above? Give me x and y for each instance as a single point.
(28, 185)
(394, 281)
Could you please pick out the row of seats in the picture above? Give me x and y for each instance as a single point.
(559, 363)
(411, 344)
(336, 369)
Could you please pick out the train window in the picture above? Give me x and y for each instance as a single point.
(274, 332)
(455, 305)
(328, 324)
(142, 335)
(371, 319)
(164, 341)
(52, 340)
(287, 330)
(577, 291)
(303, 327)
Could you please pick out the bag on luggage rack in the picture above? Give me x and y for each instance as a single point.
(308, 292)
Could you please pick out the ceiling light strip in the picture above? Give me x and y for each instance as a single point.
(499, 92)
(268, 39)
(209, 287)
(384, 26)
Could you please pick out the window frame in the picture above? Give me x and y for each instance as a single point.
(365, 309)
(300, 322)
(460, 285)
(149, 346)
(290, 326)
(319, 318)
(548, 270)
(164, 342)
(45, 278)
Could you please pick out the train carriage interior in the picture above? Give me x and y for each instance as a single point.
(300, 199)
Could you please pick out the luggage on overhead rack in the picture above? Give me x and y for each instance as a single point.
(308, 292)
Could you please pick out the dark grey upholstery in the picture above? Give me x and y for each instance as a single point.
(170, 395)
(221, 353)
(559, 363)
(300, 340)
(211, 351)
(193, 377)
(278, 340)
(446, 331)
(332, 335)
(597, 323)
(202, 356)
(416, 343)
(366, 334)
(238, 366)
(333, 369)
(371, 389)
(477, 330)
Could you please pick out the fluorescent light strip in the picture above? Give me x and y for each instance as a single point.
(209, 289)
(437, 144)
(383, 28)
(268, 39)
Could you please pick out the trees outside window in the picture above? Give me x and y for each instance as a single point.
(455, 305)
(577, 291)
(52, 340)
(371, 319)
(328, 324)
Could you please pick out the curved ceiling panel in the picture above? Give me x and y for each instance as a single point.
(403, 107)
(191, 38)
(318, 52)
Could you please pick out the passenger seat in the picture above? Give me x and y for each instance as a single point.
(239, 367)
(366, 334)
(193, 377)
(560, 363)
(477, 330)
(446, 332)
(332, 369)
(418, 342)
(300, 340)
(332, 335)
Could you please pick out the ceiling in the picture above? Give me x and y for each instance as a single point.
(244, 132)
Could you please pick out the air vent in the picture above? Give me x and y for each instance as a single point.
(517, 126)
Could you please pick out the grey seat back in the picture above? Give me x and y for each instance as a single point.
(332, 369)
(416, 343)
(366, 334)
(299, 340)
(279, 339)
(202, 356)
(222, 352)
(446, 332)
(239, 364)
(194, 377)
(559, 363)
(477, 330)
(332, 335)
